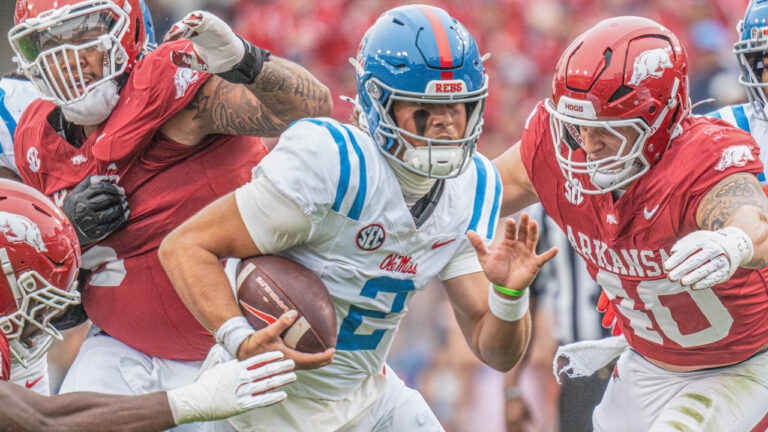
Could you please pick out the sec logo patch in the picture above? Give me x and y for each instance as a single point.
(371, 237)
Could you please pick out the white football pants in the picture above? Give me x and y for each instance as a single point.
(106, 365)
(644, 397)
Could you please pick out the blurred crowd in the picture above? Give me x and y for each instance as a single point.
(525, 39)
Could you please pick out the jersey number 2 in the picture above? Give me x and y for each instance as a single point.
(350, 341)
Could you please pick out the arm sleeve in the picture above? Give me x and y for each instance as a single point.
(304, 167)
(464, 262)
(274, 222)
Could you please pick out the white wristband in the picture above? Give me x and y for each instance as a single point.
(232, 333)
(508, 309)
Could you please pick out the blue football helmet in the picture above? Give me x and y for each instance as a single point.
(420, 54)
(149, 27)
(750, 50)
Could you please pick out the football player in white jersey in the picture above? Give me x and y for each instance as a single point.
(752, 53)
(376, 209)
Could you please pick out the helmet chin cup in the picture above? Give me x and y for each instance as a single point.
(437, 161)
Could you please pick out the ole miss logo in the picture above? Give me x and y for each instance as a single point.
(371, 237)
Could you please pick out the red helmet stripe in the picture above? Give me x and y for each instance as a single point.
(443, 44)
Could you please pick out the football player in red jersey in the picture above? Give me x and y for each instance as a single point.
(173, 137)
(667, 211)
(40, 255)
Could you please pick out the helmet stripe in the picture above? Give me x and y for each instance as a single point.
(441, 37)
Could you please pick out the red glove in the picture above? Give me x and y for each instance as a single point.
(609, 314)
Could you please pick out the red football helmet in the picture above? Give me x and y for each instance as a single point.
(626, 72)
(51, 35)
(40, 257)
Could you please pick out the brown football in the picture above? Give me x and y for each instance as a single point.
(268, 286)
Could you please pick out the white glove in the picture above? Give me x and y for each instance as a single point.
(232, 388)
(706, 258)
(216, 48)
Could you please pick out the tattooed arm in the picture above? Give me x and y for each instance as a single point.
(282, 93)
(738, 201)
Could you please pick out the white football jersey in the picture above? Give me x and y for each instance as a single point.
(364, 244)
(744, 117)
(15, 96)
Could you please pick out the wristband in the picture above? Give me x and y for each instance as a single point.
(508, 309)
(246, 71)
(232, 333)
(507, 291)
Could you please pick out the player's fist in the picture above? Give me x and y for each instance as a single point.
(215, 47)
(96, 207)
(232, 388)
(703, 259)
(512, 262)
(270, 339)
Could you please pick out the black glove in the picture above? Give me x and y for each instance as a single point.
(96, 207)
(72, 316)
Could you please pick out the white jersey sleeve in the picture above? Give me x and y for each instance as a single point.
(274, 222)
(15, 97)
(304, 166)
(465, 262)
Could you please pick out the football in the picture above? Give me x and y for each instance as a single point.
(268, 286)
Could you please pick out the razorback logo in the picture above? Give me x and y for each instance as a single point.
(19, 229)
(650, 64)
(183, 79)
(737, 156)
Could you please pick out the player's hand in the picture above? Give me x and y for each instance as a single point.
(232, 388)
(269, 339)
(96, 207)
(215, 47)
(513, 262)
(605, 306)
(703, 258)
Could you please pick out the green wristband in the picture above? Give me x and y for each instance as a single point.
(507, 291)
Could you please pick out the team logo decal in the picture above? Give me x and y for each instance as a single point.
(33, 159)
(183, 79)
(19, 229)
(737, 156)
(573, 195)
(78, 160)
(650, 64)
(371, 237)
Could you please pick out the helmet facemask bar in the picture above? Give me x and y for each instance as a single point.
(50, 69)
(40, 303)
(750, 55)
(445, 158)
(606, 174)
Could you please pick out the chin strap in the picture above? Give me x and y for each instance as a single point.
(426, 205)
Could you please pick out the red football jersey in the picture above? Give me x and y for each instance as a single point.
(624, 244)
(5, 358)
(128, 294)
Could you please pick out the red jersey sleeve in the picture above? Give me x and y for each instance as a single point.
(156, 91)
(724, 151)
(536, 126)
(5, 358)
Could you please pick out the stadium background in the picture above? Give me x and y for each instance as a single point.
(525, 38)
